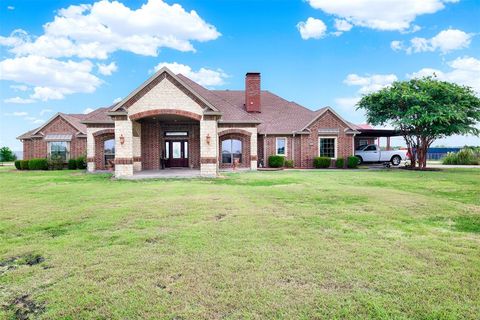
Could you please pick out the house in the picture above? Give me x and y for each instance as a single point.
(172, 121)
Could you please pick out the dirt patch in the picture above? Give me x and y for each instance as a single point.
(25, 308)
(220, 216)
(29, 259)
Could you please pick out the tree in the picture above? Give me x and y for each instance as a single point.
(7, 155)
(424, 110)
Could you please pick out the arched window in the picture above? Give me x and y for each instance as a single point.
(109, 150)
(231, 150)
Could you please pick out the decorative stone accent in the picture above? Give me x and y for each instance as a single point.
(158, 112)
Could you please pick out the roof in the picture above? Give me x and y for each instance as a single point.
(73, 119)
(99, 115)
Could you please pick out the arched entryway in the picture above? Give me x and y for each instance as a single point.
(104, 148)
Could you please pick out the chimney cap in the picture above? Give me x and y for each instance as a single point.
(252, 72)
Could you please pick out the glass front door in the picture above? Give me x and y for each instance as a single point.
(176, 153)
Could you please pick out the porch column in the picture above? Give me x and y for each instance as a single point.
(137, 146)
(253, 151)
(388, 143)
(90, 150)
(123, 147)
(208, 147)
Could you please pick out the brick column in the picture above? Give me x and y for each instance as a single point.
(208, 151)
(137, 146)
(123, 151)
(253, 150)
(91, 149)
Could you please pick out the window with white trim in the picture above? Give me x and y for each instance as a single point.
(281, 146)
(327, 147)
(59, 149)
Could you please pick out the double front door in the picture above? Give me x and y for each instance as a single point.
(176, 153)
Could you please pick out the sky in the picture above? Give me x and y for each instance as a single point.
(75, 56)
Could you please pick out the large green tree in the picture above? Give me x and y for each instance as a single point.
(6, 155)
(424, 110)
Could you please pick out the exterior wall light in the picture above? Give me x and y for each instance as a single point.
(122, 139)
(208, 138)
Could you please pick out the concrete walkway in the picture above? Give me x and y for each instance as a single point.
(168, 173)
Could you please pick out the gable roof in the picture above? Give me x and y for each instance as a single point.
(322, 111)
(99, 115)
(74, 119)
(163, 72)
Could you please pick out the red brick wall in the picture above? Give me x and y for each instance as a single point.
(37, 147)
(252, 92)
(153, 142)
(99, 150)
(304, 148)
(245, 149)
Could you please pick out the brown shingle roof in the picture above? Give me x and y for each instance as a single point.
(99, 115)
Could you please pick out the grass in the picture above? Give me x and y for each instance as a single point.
(285, 245)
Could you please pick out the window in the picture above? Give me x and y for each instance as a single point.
(109, 150)
(371, 148)
(59, 149)
(176, 134)
(281, 146)
(231, 150)
(328, 147)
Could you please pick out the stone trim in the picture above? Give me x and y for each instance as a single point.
(205, 160)
(157, 112)
(123, 160)
(119, 118)
(102, 132)
(91, 159)
(137, 159)
(237, 131)
(253, 158)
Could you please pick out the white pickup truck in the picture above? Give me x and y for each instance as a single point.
(372, 153)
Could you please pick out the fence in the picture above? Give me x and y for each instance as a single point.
(439, 153)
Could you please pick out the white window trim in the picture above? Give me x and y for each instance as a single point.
(329, 137)
(49, 149)
(276, 146)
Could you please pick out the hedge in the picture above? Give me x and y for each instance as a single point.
(322, 162)
(81, 163)
(340, 163)
(17, 164)
(276, 161)
(23, 164)
(72, 164)
(37, 164)
(352, 162)
(288, 164)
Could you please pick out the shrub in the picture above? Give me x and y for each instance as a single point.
(466, 156)
(352, 162)
(322, 162)
(81, 163)
(340, 163)
(288, 164)
(37, 164)
(23, 164)
(17, 164)
(72, 164)
(276, 161)
(55, 163)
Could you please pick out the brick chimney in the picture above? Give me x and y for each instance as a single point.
(252, 92)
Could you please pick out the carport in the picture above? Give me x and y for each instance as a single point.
(369, 135)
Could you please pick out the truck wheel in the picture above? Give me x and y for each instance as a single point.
(396, 160)
(360, 160)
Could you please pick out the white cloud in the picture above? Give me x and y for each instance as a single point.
(204, 77)
(20, 87)
(347, 104)
(38, 121)
(464, 71)
(17, 114)
(117, 100)
(445, 41)
(96, 30)
(107, 69)
(370, 83)
(51, 78)
(312, 29)
(19, 100)
(380, 14)
(343, 25)
(88, 110)
(45, 111)
(10, 7)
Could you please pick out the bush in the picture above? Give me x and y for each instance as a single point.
(55, 163)
(466, 156)
(81, 163)
(322, 162)
(17, 164)
(37, 164)
(276, 161)
(340, 163)
(72, 164)
(288, 164)
(23, 164)
(352, 162)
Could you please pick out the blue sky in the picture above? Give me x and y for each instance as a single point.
(70, 56)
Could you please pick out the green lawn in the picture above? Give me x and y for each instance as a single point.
(284, 245)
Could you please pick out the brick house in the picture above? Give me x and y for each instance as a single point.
(171, 121)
